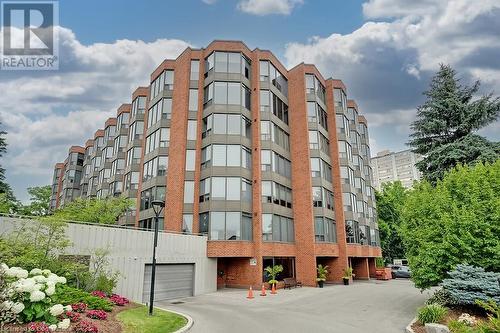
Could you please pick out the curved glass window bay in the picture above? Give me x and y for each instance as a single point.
(226, 156)
(159, 138)
(226, 225)
(226, 93)
(269, 102)
(161, 110)
(325, 229)
(225, 188)
(314, 86)
(278, 194)
(277, 228)
(269, 73)
(164, 81)
(227, 62)
(226, 124)
(272, 161)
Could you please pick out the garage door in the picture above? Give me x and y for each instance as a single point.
(172, 281)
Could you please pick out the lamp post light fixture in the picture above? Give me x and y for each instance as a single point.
(157, 208)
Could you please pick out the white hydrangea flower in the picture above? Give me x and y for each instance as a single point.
(64, 324)
(40, 278)
(51, 290)
(6, 305)
(12, 272)
(37, 296)
(25, 285)
(17, 308)
(36, 271)
(46, 271)
(68, 308)
(53, 277)
(3, 267)
(53, 327)
(56, 310)
(22, 273)
(61, 280)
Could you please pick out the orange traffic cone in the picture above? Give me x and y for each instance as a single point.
(250, 293)
(273, 289)
(263, 292)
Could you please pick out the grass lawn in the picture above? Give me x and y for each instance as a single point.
(137, 320)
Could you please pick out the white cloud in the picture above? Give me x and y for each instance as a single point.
(267, 7)
(45, 113)
(387, 63)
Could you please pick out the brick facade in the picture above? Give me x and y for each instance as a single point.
(240, 261)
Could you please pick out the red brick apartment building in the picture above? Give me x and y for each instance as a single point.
(273, 165)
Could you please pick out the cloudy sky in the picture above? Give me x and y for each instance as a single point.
(384, 50)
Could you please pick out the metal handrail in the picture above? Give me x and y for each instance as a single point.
(26, 217)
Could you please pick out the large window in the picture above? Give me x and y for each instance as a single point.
(316, 114)
(136, 131)
(342, 125)
(314, 86)
(347, 175)
(226, 155)
(350, 202)
(117, 166)
(272, 161)
(190, 160)
(150, 195)
(272, 132)
(195, 70)
(278, 194)
(352, 231)
(164, 81)
(322, 198)
(133, 156)
(155, 167)
(187, 223)
(318, 141)
(325, 229)
(161, 110)
(138, 105)
(321, 169)
(189, 192)
(226, 225)
(345, 150)
(225, 188)
(191, 129)
(228, 62)
(132, 181)
(340, 100)
(277, 228)
(159, 138)
(269, 73)
(231, 93)
(226, 124)
(269, 102)
(193, 99)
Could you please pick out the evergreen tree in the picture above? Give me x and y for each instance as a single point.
(446, 122)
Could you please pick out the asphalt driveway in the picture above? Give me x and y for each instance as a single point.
(371, 307)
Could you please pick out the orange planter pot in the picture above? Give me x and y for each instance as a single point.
(384, 273)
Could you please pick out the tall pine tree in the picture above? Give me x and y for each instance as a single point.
(444, 131)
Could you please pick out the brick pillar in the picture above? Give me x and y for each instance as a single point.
(360, 268)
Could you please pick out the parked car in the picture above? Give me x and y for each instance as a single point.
(400, 271)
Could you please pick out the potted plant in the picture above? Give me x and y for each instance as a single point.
(322, 273)
(272, 272)
(347, 275)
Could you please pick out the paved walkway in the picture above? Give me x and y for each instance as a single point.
(371, 307)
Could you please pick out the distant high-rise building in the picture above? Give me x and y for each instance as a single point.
(389, 167)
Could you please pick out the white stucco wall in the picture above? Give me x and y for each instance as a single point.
(130, 250)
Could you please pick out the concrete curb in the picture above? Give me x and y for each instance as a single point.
(408, 328)
(189, 323)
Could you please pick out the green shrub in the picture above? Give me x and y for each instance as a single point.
(68, 295)
(432, 313)
(466, 284)
(441, 297)
(492, 325)
(456, 326)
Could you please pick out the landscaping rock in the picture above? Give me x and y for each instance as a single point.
(436, 328)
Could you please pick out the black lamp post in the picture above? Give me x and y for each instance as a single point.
(157, 208)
